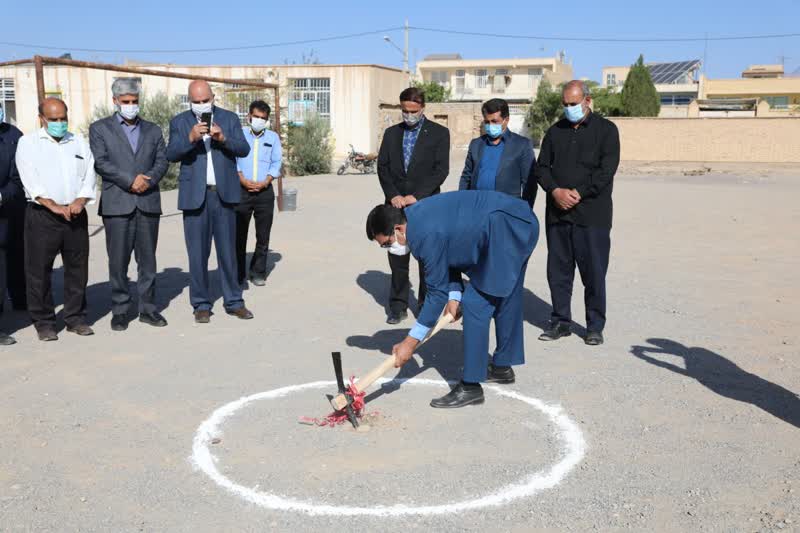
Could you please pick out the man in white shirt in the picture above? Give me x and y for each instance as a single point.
(57, 172)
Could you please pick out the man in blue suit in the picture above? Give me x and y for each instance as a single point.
(12, 217)
(499, 160)
(208, 191)
(486, 235)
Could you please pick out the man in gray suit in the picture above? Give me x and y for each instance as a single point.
(130, 156)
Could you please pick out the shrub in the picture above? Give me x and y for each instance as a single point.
(309, 146)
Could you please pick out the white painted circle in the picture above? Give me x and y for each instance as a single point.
(567, 430)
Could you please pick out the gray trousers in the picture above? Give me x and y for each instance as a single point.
(137, 233)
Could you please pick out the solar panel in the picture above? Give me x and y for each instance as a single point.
(665, 73)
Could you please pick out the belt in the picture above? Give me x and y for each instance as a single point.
(211, 187)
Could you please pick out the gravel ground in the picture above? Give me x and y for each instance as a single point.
(689, 411)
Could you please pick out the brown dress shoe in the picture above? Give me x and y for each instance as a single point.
(81, 329)
(203, 316)
(240, 312)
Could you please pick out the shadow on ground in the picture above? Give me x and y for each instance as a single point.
(723, 377)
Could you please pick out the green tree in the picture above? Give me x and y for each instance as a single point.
(605, 101)
(545, 110)
(433, 91)
(639, 96)
(310, 150)
(159, 109)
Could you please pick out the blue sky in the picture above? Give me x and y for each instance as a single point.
(148, 24)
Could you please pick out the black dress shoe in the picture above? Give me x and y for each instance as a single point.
(242, 313)
(47, 334)
(503, 375)
(81, 329)
(202, 316)
(119, 323)
(463, 394)
(153, 319)
(396, 318)
(594, 338)
(6, 339)
(555, 332)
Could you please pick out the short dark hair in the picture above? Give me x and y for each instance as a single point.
(261, 105)
(382, 220)
(490, 107)
(413, 94)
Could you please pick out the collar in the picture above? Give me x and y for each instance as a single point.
(254, 134)
(65, 139)
(585, 122)
(124, 123)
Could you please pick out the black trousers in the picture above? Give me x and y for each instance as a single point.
(46, 236)
(569, 245)
(15, 260)
(261, 207)
(136, 233)
(401, 285)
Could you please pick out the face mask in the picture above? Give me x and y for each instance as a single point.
(199, 109)
(128, 111)
(258, 124)
(411, 119)
(57, 129)
(574, 113)
(397, 248)
(494, 130)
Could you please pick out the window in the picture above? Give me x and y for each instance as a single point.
(309, 95)
(441, 77)
(777, 102)
(499, 81)
(611, 80)
(676, 99)
(7, 99)
(54, 94)
(535, 75)
(460, 74)
(184, 101)
(481, 78)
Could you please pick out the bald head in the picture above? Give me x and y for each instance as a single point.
(200, 92)
(576, 88)
(53, 108)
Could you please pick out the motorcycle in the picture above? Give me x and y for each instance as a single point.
(366, 163)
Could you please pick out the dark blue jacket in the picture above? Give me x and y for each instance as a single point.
(192, 157)
(10, 184)
(515, 172)
(486, 235)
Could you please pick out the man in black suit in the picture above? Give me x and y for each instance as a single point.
(130, 155)
(12, 214)
(413, 162)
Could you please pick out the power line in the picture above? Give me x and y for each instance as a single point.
(190, 50)
(609, 39)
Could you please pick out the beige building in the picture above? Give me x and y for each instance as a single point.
(677, 84)
(759, 83)
(347, 95)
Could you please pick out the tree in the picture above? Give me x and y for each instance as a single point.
(639, 96)
(605, 101)
(309, 146)
(433, 91)
(159, 109)
(545, 110)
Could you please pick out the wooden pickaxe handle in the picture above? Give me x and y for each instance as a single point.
(340, 401)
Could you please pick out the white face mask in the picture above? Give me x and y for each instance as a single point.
(128, 111)
(397, 248)
(411, 119)
(199, 109)
(258, 124)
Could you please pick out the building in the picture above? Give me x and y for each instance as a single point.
(677, 84)
(759, 83)
(346, 95)
(477, 80)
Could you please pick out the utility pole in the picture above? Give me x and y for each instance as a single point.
(405, 52)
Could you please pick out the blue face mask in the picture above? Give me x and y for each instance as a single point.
(574, 113)
(493, 130)
(57, 129)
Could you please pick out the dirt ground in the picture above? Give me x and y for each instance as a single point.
(688, 413)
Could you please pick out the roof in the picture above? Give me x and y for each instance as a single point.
(671, 72)
(487, 63)
(441, 57)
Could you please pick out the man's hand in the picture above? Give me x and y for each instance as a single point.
(403, 351)
(566, 198)
(254, 186)
(56, 209)
(140, 184)
(409, 200)
(76, 207)
(197, 132)
(397, 201)
(216, 133)
(453, 309)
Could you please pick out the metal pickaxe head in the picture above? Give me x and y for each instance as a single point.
(348, 409)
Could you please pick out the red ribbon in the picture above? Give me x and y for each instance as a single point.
(340, 416)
